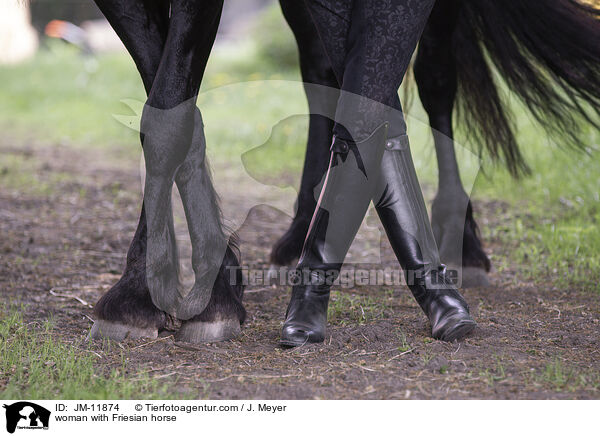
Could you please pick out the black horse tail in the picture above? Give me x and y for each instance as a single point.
(548, 54)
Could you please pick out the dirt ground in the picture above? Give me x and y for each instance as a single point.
(62, 247)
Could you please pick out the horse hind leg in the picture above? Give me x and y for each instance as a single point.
(455, 229)
(315, 69)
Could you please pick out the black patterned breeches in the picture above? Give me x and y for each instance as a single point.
(370, 44)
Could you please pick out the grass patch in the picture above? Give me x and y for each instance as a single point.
(18, 173)
(404, 345)
(36, 364)
(345, 309)
(562, 378)
(495, 374)
(63, 97)
(26, 174)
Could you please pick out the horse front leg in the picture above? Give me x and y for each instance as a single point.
(172, 129)
(455, 229)
(174, 125)
(127, 310)
(316, 70)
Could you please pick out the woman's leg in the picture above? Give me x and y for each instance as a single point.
(384, 55)
(369, 44)
(379, 37)
(350, 184)
(401, 209)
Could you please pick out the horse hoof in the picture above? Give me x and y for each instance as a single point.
(474, 278)
(215, 331)
(118, 332)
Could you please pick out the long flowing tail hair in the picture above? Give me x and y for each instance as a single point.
(548, 54)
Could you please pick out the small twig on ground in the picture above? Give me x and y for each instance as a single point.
(93, 352)
(102, 253)
(401, 354)
(254, 376)
(165, 375)
(159, 369)
(364, 367)
(195, 348)
(152, 342)
(74, 297)
(254, 291)
(157, 377)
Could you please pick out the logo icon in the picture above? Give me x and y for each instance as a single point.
(26, 415)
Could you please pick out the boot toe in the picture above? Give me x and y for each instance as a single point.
(454, 328)
(294, 335)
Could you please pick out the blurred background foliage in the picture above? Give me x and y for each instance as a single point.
(274, 41)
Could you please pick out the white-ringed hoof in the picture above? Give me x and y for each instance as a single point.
(118, 332)
(215, 331)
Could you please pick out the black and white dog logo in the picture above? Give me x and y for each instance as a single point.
(26, 415)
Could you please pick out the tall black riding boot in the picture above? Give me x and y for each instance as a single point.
(349, 187)
(401, 208)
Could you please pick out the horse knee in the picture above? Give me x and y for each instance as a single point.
(167, 137)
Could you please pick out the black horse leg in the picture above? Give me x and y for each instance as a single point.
(315, 69)
(126, 310)
(171, 127)
(454, 227)
(128, 307)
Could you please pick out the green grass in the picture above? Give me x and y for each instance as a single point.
(494, 374)
(35, 363)
(345, 308)
(552, 229)
(404, 345)
(26, 174)
(563, 378)
(19, 173)
(62, 97)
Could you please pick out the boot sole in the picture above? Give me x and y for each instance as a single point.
(292, 344)
(288, 343)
